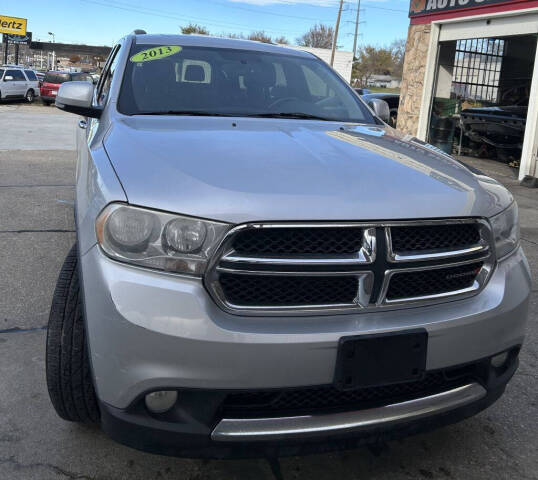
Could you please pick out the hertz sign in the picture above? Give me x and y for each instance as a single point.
(12, 25)
(425, 7)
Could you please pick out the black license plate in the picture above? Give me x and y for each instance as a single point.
(381, 359)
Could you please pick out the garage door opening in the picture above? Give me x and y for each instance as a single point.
(481, 97)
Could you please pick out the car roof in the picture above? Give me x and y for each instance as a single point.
(70, 73)
(15, 67)
(217, 42)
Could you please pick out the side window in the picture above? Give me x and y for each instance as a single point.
(103, 88)
(30, 75)
(16, 74)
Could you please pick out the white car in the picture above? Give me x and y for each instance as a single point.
(18, 82)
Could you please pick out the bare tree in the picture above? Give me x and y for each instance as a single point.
(74, 58)
(194, 28)
(281, 40)
(319, 36)
(260, 36)
(397, 47)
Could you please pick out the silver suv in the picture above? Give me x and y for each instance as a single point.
(263, 265)
(18, 82)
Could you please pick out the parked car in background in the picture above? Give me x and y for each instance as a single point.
(53, 80)
(40, 76)
(18, 82)
(362, 91)
(393, 100)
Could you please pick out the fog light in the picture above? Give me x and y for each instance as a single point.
(161, 401)
(499, 360)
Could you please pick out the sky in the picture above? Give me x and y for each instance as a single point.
(103, 22)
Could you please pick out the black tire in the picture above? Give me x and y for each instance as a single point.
(69, 377)
(30, 96)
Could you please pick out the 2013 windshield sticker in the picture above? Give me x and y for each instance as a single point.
(155, 53)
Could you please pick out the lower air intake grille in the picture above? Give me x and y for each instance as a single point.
(311, 399)
(432, 282)
(434, 237)
(276, 290)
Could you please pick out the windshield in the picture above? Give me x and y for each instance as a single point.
(217, 81)
(57, 77)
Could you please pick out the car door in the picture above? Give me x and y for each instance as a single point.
(18, 84)
(33, 82)
(21, 83)
(9, 84)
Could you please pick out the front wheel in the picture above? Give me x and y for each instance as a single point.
(69, 378)
(30, 96)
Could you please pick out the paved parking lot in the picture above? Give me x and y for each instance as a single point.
(36, 231)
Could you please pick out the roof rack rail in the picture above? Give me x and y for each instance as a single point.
(139, 31)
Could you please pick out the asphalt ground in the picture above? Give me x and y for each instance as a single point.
(37, 165)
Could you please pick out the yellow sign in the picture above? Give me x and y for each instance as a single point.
(12, 25)
(155, 53)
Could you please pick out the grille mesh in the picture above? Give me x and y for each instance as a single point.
(269, 290)
(292, 241)
(434, 237)
(329, 397)
(431, 282)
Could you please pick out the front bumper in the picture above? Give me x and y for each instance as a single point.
(152, 331)
(49, 98)
(148, 331)
(195, 436)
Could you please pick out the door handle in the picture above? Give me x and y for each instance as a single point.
(82, 124)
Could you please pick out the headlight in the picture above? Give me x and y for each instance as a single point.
(158, 240)
(506, 230)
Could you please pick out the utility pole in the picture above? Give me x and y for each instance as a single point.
(53, 51)
(337, 26)
(356, 30)
(6, 46)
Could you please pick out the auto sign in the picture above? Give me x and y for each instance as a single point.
(12, 25)
(426, 7)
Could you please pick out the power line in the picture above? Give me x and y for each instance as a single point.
(366, 7)
(260, 12)
(163, 14)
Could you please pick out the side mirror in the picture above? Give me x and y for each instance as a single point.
(380, 108)
(8, 78)
(76, 97)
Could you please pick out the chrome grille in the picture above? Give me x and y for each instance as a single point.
(433, 281)
(293, 241)
(335, 267)
(290, 290)
(432, 237)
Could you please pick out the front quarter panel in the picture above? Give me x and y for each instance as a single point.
(97, 184)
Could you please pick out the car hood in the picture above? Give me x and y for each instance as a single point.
(247, 169)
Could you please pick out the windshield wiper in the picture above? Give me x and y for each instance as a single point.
(201, 113)
(302, 115)
(194, 113)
